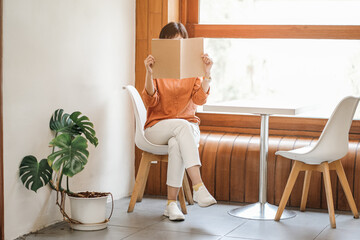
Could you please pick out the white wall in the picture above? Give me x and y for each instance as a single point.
(75, 55)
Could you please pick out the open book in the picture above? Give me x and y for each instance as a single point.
(180, 58)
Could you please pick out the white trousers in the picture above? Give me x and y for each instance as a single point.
(183, 138)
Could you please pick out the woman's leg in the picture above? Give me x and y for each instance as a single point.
(194, 174)
(176, 168)
(183, 139)
(175, 174)
(172, 210)
(172, 193)
(201, 194)
(162, 133)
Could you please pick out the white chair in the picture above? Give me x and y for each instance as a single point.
(152, 153)
(323, 156)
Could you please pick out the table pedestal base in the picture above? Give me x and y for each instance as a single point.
(260, 211)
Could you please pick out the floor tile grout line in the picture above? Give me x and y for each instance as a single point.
(322, 231)
(204, 234)
(114, 225)
(240, 238)
(167, 230)
(165, 218)
(328, 225)
(141, 229)
(235, 228)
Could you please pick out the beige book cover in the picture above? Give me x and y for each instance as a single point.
(178, 58)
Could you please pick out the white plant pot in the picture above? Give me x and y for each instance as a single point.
(89, 211)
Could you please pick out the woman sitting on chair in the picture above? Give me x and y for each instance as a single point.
(171, 106)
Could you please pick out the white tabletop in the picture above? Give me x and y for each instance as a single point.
(256, 107)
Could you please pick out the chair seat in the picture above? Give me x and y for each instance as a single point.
(147, 146)
(299, 154)
(310, 155)
(150, 147)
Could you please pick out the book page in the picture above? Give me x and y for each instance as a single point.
(191, 61)
(167, 58)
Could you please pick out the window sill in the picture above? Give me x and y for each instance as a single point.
(284, 125)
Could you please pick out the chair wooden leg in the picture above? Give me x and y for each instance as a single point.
(182, 201)
(305, 191)
(288, 188)
(328, 191)
(187, 190)
(140, 181)
(150, 158)
(142, 190)
(345, 185)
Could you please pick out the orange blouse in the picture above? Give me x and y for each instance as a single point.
(174, 98)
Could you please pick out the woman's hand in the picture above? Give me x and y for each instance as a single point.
(207, 64)
(149, 62)
(149, 86)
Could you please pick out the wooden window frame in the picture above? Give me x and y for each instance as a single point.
(189, 16)
(190, 10)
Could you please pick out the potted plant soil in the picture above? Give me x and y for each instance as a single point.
(72, 132)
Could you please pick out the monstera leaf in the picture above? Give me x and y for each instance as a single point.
(84, 125)
(33, 173)
(61, 122)
(72, 154)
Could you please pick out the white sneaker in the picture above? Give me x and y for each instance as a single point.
(173, 212)
(203, 197)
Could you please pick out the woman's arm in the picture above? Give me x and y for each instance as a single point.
(150, 95)
(199, 96)
(149, 85)
(207, 78)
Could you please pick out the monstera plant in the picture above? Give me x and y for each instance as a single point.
(69, 152)
(69, 155)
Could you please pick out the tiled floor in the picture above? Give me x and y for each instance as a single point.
(147, 222)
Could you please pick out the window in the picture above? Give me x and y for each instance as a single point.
(300, 70)
(294, 12)
(305, 50)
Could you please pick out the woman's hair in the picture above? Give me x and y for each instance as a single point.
(172, 29)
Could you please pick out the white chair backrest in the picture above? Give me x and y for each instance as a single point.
(140, 118)
(334, 140)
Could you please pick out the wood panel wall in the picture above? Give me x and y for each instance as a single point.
(230, 170)
(229, 151)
